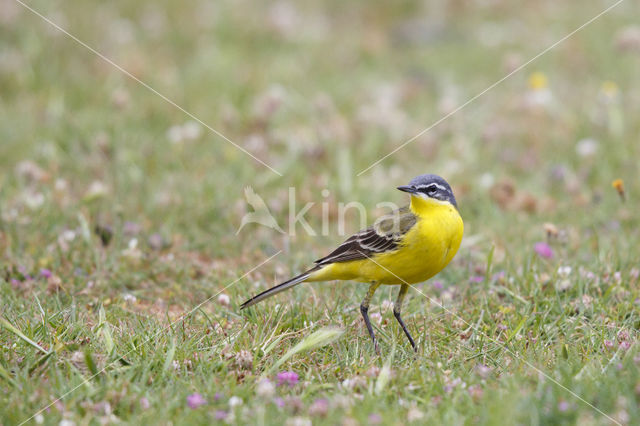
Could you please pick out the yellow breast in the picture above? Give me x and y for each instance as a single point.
(425, 250)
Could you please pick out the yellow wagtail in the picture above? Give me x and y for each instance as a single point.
(406, 247)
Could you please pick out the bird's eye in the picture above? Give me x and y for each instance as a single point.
(431, 190)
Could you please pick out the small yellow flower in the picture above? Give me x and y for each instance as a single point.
(618, 185)
(609, 89)
(538, 81)
(505, 309)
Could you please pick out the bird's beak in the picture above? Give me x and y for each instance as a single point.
(407, 188)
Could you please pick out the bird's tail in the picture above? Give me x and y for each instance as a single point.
(280, 287)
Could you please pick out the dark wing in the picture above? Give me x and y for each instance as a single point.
(383, 236)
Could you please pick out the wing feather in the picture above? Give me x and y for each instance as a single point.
(383, 236)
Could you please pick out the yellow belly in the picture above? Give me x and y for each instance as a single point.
(427, 248)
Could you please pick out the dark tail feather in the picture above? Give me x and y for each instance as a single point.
(280, 287)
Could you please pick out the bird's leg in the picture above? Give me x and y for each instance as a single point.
(364, 310)
(397, 309)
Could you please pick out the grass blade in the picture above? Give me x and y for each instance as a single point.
(385, 373)
(318, 338)
(170, 354)
(517, 329)
(10, 327)
(273, 344)
(105, 331)
(90, 363)
(5, 375)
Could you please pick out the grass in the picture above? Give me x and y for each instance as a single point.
(119, 214)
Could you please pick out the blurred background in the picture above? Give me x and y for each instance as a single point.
(319, 91)
(111, 196)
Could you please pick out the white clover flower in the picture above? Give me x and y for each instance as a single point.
(224, 300)
(486, 180)
(69, 235)
(129, 298)
(235, 401)
(587, 147)
(191, 130)
(386, 305)
(97, 189)
(564, 271)
(414, 414)
(174, 134)
(265, 388)
(33, 200)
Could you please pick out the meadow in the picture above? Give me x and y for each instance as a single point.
(122, 189)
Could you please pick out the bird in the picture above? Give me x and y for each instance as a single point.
(408, 246)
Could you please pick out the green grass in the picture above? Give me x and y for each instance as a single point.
(508, 339)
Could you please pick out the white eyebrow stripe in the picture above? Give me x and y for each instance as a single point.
(437, 185)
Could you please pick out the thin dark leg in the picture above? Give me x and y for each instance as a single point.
(397, 309)
(364, 310)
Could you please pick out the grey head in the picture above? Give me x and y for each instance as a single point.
(430, 186)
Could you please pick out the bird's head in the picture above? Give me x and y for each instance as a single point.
(430, 187)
